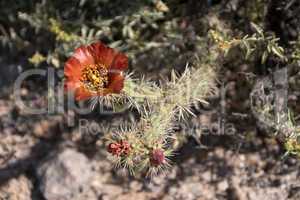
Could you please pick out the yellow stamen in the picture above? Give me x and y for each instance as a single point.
(95, 77)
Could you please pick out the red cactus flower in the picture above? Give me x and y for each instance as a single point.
(157, 157)
(95, 70)
(119, 148)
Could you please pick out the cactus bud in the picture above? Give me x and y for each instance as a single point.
(157, 157)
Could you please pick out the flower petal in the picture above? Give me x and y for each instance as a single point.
(84, 56)
(73, 68)
(82, 93)
(120, 62)
(71, 85)
(117, 83)
(102, 54)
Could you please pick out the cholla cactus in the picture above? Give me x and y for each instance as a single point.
(133, 150)
(152, 138)
(96, 72)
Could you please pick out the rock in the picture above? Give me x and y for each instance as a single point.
(16, 189)
(65, 175)
(14, 148)
(47, 128)
(41, 129)
(191, 190)
(135, 186)
(111, 190)
(223, 185)
(4, 108)
(135, 195)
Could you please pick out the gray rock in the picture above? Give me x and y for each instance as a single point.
(65, 175)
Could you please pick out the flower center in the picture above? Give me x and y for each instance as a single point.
(95, 77)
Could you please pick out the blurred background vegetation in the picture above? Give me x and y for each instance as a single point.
(157, 35)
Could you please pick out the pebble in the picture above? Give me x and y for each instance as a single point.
(64, 175)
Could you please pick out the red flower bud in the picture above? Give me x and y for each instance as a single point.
(119, 148)
(114, 148)
(157, 157)
(125, 147)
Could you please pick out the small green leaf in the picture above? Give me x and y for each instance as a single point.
(258, 29)
(277, 52)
